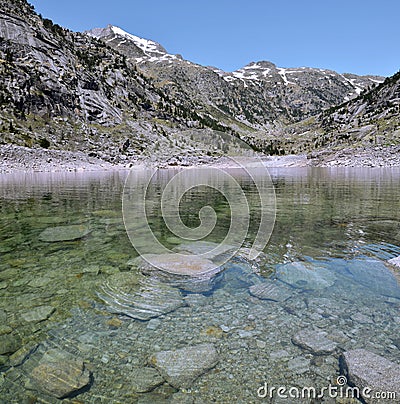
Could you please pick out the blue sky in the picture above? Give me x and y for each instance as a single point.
(356, 36)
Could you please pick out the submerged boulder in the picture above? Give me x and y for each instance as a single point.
(60, 374)
(395, 261)
(9, 343)
(395, 267)
(305, 276)
(315, 341)
(145, 379)
(375, 276)
(269, 290)
(64, 233)
(140, 297)
(181, 367)
(205, 249)
(187, 272)
(38, 314)
(372, 374)
(177, 264)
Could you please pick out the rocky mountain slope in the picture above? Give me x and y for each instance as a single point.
(67, 91)
(119, 98)
(371, 123)
(363, 131)
(368, 124)
(371, 118)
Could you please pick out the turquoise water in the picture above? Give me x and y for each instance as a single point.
(334, 231)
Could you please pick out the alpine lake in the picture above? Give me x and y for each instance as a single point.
(83, 321)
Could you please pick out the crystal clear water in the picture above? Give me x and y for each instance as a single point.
(334, 231)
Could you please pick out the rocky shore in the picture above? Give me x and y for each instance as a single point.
(23, 159)
(378, 156)
(14, 159)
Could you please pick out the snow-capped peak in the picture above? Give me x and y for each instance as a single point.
(147, 46)
(150, 51)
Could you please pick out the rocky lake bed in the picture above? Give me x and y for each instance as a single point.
(200, 348)
(84, 320)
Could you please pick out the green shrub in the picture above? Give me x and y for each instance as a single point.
(44, 143)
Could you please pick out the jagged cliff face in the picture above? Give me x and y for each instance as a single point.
(67, 90)
(112, 94)
(50, 71)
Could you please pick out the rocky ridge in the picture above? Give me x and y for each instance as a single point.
(260, 94)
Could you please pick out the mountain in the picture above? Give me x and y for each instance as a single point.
(133, 46)
(120, 97)
(260, 94)
(303, 91)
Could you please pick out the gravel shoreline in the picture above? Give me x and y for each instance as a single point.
(357, 157)
(24, 159)
(19, 159)
(14, 159)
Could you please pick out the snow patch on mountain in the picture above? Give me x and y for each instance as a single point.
(240, 74)
(146, 45)
(376, 80)
(282, 72)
